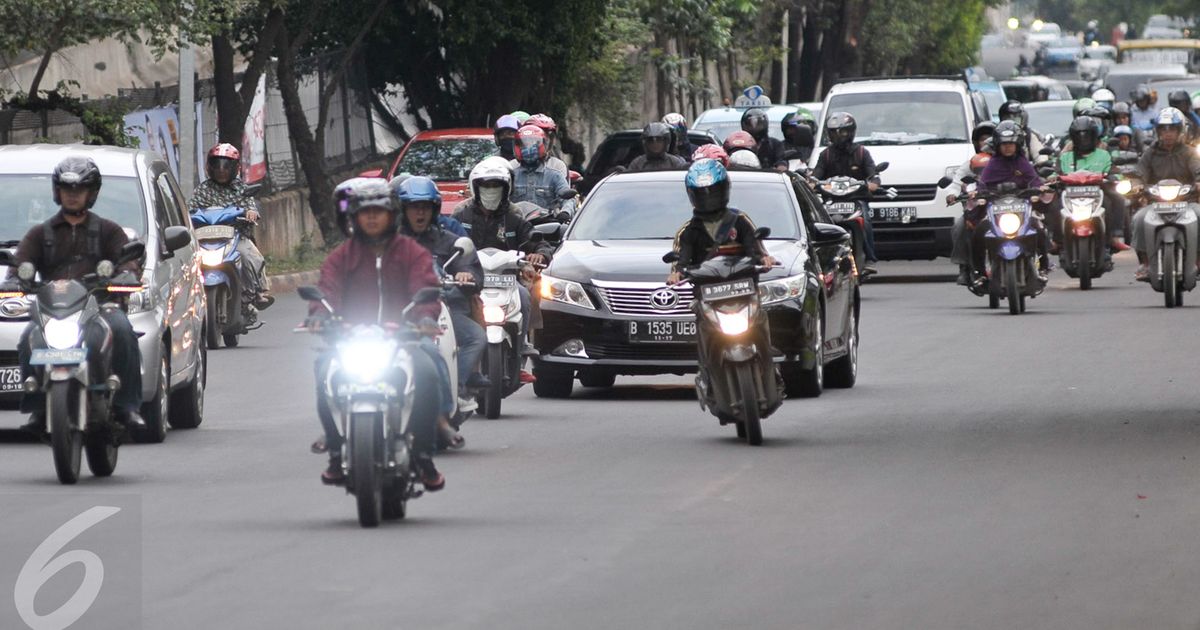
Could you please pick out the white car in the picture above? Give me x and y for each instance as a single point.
(922, 128)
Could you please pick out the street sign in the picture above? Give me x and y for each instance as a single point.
(752, 96)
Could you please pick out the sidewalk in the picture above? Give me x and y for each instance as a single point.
(288, 282)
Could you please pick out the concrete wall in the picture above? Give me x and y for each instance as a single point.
(285, 222)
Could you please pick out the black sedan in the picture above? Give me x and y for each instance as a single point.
(619, 149)
(607, 310)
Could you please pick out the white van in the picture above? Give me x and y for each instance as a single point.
(922, 128)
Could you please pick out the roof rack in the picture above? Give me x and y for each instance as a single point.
(944, 77)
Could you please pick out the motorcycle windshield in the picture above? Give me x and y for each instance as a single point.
(216, 216)
(61, 297)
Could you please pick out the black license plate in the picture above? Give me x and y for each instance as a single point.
(10, 379)
(726, 290)
(47, 356)
(499, 281)
(894, 214)
(662, 332)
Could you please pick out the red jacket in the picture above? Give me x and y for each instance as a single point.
(351, 282)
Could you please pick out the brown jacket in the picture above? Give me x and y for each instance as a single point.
(74, 252)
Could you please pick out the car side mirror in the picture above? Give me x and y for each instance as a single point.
(762, 232)
(944, 182)
(428, 295)
(465, 245)
(671, 258)
(827, 233)
(547, 231)
(882, 166)
(132, 250)
(311, 294)
(176, 237)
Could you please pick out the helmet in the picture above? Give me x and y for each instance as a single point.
(1123, 130)
(707, 185)
(1104, 97)
(738, 140)
(1180, 99)
(492, 169)
(1140, 92)
(806, 118)
(840, 128)
(77, 171)
(507, 121)
(1169, 117)
(543, 122)
(223, 157)
(1008, 131)
(754, 122)
(676, 120)
(982, 131)
(415, 189)
(224, 150)
(1082, 105)
(711, 152)
(653, 132)
(1120, 109)
(980, 160)
(1196, 100)
(1014, 111)
(520, 116)
(1084, 134)
(744, 159)
(1093, 24)
(357, 193)
(531, 145)
(1102, 118)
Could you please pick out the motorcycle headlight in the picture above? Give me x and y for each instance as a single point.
(734, 322)
(212, 257)
(494, 314)
(366, 360)
(1169, 192)
(1082, 208)
(565, 291)
(1124, 187)
(62, 333)
(788, 288)
(1010, 223)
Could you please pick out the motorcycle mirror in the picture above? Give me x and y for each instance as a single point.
(671, 258)
(132, 250)
(428, 295)
(567, 194)
(26, 271)
(253, 190)
(464, 245)
(882, 166)
(574, 176)
(105, 269)
(944, 182)
(7, 258)
(176, 237)
(311, 294)
(762, 232)
(1046, 151)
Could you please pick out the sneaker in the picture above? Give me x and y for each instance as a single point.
(1119, 245)
(478, 381)
(529, 351)
(1143, 273)
(964, 276)
(333, 475)
(527, 377)
(869, 269)
(429, 475)
(131, 419)
(467, 405)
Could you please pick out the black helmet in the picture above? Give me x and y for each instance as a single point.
(1180, 99)
(982, 131)
(1014, 111)
(840, 128)
(77, 172)
(1008, 131)
(755, 123)
(652, 134)
(1139, 93)
(1084, 133)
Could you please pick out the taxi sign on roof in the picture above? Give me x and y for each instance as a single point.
(752, 96)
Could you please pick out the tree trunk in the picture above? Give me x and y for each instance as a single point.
(231, 117)
(794, 43)
(810, 61)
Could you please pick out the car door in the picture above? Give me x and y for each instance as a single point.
(175, 271)
(834, 259)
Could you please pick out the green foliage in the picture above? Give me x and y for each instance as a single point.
(1073, 15)
(103, 121)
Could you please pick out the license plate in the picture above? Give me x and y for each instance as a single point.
(894, 215)
(499, 281)
(1083, 190)
(69, 356)
(726, 290)
(841, 206)
(662, 332)
(10, 379)
(210, 232)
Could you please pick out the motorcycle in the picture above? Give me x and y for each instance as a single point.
(1084, 251)
(69, 367)
(368, 387)
(501, 299)
(737, 380)
(1012, 251)
(1170, 237)
(219, 232)
(847, 211)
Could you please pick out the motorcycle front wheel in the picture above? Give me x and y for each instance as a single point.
(1170, 283)
(365, 471)
(749, 395)
(1084, 247)
(1011, 287)
(212, 323)
(494, 394)
(64, 403)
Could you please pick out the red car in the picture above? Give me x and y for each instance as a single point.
(446, 156)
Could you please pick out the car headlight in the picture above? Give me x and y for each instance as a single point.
(734, 322)
(212, 257)
(1124, 187)
(1082, 208)
(1010, 223)
(62, 333)
(366, 360)
(565, 291)
(788, 288)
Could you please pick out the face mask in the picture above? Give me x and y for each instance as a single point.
(490, 198)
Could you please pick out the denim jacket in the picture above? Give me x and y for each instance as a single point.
(540, 186)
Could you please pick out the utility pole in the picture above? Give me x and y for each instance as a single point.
(187, 119)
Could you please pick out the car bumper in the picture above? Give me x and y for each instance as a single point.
(926, 237)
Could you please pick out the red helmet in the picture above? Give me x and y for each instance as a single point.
(739, 140)
(225, 150)
(531, 145)
(711, 152)
(543, 122)
(980, 160)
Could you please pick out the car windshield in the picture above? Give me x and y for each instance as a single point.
(26, 201)
(1164, 89)
(1065, 42)
(641, 210)
(445, 160)
(888, 118)
(1047, 120)
(994, 95)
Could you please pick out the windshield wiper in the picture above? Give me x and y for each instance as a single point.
(879, 141)
(941, 140)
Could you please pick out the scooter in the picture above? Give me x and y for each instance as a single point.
(848, 209)
(1171, 233)
(979, 280)
(369, 388)
(72, 361)
(1084, 250)
(502, 320)
(1011, 243)
(230, 313)
(736, 382)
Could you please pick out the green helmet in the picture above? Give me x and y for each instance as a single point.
(521, 116)
(1081, 105)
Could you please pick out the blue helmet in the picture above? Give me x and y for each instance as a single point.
(418, 189)
(707, 185)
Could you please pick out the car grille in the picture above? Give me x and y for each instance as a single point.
(638, 301)
(906, 192)
(642, 352)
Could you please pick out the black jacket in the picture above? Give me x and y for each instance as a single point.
(440, 244)
(61, 251)
(770, 153)
(694, 244)
(503, 229)
(668, 162)
(854, 162)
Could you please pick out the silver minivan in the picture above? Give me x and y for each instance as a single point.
(140, 193)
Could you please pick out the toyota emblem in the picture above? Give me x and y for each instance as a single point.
(664, 299)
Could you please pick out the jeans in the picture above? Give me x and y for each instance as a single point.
(471, 342)
(526, 316)
(448, 398)
(253, 270)
(1138, 225)
(126, 361)
(869, 240)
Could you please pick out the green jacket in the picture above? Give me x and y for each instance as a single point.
(1098, 161)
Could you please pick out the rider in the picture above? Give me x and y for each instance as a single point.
(844, 157)
(1142, 114)
(1016, 112)
(1122, 117)
(738, 141)
(68, 246)
(506, 136)
(961, 234)
(418, 201)
(712, 152)
(1168, 157)
(1181, 100)
(371, 278)
(494, 219)
(224, 188)
(1105, 98)
(1086, 154)
(1122, 139)
(532, 179)
(656, 140)
(768, 149)
(798, 139)
(1007, 166)
(550, 128)
(681, 145)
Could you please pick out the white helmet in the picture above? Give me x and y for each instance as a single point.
(675, 119)
(491, 169)
(1103, 96)
(744, 159)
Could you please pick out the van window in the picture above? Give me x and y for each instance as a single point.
(893, 118)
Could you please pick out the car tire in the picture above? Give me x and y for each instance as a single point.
(187, 404)
(808, 383)
(553, 383)
(597, 379)
(843, 371)
(156, 411)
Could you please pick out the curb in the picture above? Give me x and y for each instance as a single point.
(288, 282)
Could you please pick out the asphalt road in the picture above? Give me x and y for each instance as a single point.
(989, 471)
